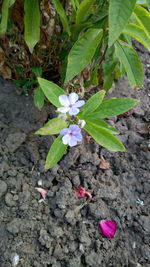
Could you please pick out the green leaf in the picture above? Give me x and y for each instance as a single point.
(37, 70)
(51, 91)
(92, 104)
(53, 126)
(38, 98)
(102, 124)
(82, 52)
(83, 11)
(104, 138)
(138, 33)
(4, 19)
(119, 14)
(31, 23)
(75, 4)
(113, 106)
(144, 2)
(55, 153)
(108, 73)
(11, 2)
(142, 17)
(148, 4)
(141, 2)
(129, 58)
(60, 10)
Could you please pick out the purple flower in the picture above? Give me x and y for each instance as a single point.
(72, 135)
(107, 228)
(70, 104)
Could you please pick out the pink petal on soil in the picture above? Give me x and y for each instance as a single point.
(42, 191)
(81, 192)
(107, 228)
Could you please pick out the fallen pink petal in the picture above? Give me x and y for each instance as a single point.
(107, 228)
(81, 192)
(42, 191)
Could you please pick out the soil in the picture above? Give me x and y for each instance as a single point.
(63, 230)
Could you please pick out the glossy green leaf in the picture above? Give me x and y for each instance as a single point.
(113, 106)
(51, 91)
(38, 97)
(53, 126)
(82, 52)
(138, 33)
(92, 104)
(83, 10)
(132, 64)
(31, 23)
(142, 17)
(60, 10)
(104, 138)
(4, 18)
(55, 153)
(102, 124)
(119, 14)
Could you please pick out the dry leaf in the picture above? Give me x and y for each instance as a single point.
(104, 164)
(88, 138)
(6, 72)
(17, 14)
(126, 114)
(2, 56)
(145, 130)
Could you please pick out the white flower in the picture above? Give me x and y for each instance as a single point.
(70, 104)
(72, 135)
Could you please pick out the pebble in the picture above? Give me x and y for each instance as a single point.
(3, 188)
(15, 259)
(9, 200)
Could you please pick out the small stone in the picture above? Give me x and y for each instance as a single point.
(3, 188)
(81, 248)
(40, 183)
(3, 167)
(70, 217)
(15, 259)
(9, 200)
(15, 197)
(12, 172)
(55, 231)
(25, 187)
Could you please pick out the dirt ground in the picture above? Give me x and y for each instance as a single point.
(63, 230)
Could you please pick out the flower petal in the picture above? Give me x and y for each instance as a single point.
(64, 131)
(64, 100)
(78, 137)
(73, 141)
(107, 228)
(73, 97)
(74, 111)
(79, 103)
(42, 191)
(80, 192)
(66, 139)
(63, 109)
(74, 128)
